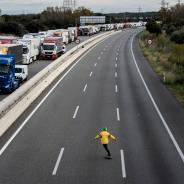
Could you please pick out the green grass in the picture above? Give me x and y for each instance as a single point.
(159, 61)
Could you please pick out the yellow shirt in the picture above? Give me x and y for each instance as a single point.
(104, 137)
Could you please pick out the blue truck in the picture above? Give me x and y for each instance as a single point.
(8, 81)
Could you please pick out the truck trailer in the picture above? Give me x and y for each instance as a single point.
(31, 49)
(15, 49)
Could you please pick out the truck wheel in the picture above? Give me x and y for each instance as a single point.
(31, 60)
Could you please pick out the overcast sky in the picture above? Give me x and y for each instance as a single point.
(104, 6)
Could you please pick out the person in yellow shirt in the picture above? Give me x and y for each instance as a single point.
(104, 136)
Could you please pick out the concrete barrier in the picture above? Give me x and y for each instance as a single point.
(16, 103)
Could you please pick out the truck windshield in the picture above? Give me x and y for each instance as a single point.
(18, 70)
(48, 47)
(4, 69)
(25, 50)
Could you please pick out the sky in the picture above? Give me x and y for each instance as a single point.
(104, 6)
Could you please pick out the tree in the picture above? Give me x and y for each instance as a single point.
(153, 27)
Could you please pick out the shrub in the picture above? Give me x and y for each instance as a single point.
(170, 78)
(153, 27)
(178, 36)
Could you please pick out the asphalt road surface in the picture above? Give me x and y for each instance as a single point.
(111, 86)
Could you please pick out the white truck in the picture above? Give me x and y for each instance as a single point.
(31, 49)
(21, 72)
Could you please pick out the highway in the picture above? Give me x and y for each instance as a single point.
(111, 86)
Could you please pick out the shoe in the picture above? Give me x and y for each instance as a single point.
(108, 157)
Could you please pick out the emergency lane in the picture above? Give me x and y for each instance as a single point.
(103, 90)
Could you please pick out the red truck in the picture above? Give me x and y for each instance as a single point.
(52, 48)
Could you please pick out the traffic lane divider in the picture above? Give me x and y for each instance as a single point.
(17, 102)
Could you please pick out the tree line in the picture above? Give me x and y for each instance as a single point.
(50, 18)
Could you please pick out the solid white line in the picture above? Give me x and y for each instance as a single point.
(85, 88)
(116, 65)
(118, 115)
(90, 74)
(95, 64)
(116, 88)
(37, 107)
(76, 111)
(156, 107)
(116, 74)
(58, 162)
(123, 164)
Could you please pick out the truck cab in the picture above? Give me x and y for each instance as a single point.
(21, 72)
(8, 80)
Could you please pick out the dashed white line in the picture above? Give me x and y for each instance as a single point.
(90, 74)
(75, 113)
(99, 58)
(58, 162)
(116, 74)
(101, 53)
(118, 115)
(116, 58)
(85, 88)
(95, 64)
(116, 88)
(123, 163)
(117, 54)
(116, 65)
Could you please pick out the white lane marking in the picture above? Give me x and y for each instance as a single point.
(85, 88)
(104, 49)
(95, 64)
(123, 163)
(116, 58)
(58, 162)
(156, 107)
(116, 65)
(90, 74)
(116, 74)
(101, 53)
(117, 54)
(76, 111)
(116, 88)
(99, 58)
(118, 115)
(41, 102)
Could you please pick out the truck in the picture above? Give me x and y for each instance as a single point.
(64, 34)
(31, 49)
(8, 40)
(52, 48)
(10, 74)
(15, 49)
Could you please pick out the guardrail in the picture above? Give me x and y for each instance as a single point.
(17, 102)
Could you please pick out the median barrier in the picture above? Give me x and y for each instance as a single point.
(17, 102)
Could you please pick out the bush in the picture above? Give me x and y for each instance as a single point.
(178, 36)
(153, 27)
(170, 78)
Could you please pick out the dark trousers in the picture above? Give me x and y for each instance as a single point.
(106, 148)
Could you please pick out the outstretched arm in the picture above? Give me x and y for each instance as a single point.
(113, 138)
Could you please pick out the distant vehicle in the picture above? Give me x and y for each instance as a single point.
(15, 49)
(11, 75)
(74, 33)
(8, 40)
(64, 34)
(31, 49)
(52, 48)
